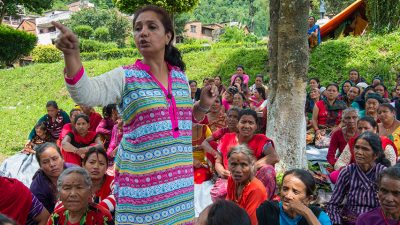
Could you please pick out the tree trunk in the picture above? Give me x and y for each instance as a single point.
(288, 62)
(2, 13)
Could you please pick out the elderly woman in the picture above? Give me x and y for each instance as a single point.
(243, 187)
(44, 182)
(76, 143)
(297, 192)
(389, 126)
(74, 187)
(357, 181)
(96, 163)
(54, 120)
(389, 211)
(326, 115)
(341, 136)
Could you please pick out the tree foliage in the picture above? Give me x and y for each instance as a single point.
(383, 15)
(172, 6)
(102, 34)
(12, 7)
(83, 31)
(117, 25)
(14, 44)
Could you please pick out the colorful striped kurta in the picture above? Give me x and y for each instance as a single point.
(154, 164)
(154, 170)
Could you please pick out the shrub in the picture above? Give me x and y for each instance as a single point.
(114, 53)
(83, 31)
(185, 48)
(14, 44)
(102, 34)
(46, 54)
(87, 45)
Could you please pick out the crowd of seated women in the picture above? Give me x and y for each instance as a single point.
(233, 160)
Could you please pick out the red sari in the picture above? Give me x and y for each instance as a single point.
(15, 200)
(79, 142)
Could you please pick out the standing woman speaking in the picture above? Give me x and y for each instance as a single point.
(154, 165)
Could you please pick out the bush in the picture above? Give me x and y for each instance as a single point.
(83, 31)
(102, 34)
(87, 45)
(14, 44)
(185, 48)
(114, 53)
(46, 54)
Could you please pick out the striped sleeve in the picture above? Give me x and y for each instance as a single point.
(341, 189)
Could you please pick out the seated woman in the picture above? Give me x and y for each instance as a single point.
(240, 73)
(210, 143)
(240, 85)
(216, 117)
(227, 97)
(94, 116)
(221, 87)
(116, 137)
(41, 136)
(223, 212)
(341, 136)
(389, 211)
(347, 156)
(243, 188)
(297, 191)
(75, 188)
(96, 163)
(354, 76)
(357, 181)
(76, 143)
(239, 100)
(389, 126)
(326, 115)
(257, 99)
(194, 90)
(44, 182)
(18, 203)
(69, 126)
(202, 167)
(262, 147)
(314, 33)
(359, 102)
(381, 90)
(54, 120)
(106, 125)
(373, 100)
(346, 85)
(351, 95)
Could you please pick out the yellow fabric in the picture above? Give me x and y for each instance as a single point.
(395, 137)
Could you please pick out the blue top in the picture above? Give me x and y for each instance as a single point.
(312, 29)
(284, 219)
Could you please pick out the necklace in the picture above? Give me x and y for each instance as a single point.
(384, 218)
(390, 127)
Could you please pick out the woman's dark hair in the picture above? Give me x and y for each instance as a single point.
(312, 17)
(83, 116)
(389, 106)
(220, 78)
(376, 144)
(97, 151)
(172, 54)
(240, 66)
(370, 120)
(52, 104)
(380, 84)
(358, 88)
(316, 80)
(242, 96)
(5, 220)
(192, 81)
(305, 177)
(43, 147)
(74, 110)
(374, 96)
(260, 76)
(233, 108)
(334, 85)
(41, 126)
(107, 110)
(392, 172)
(248, 112)
(227, 212)
(261, 91)
(354, 70)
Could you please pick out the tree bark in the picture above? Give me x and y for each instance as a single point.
(288, 63)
